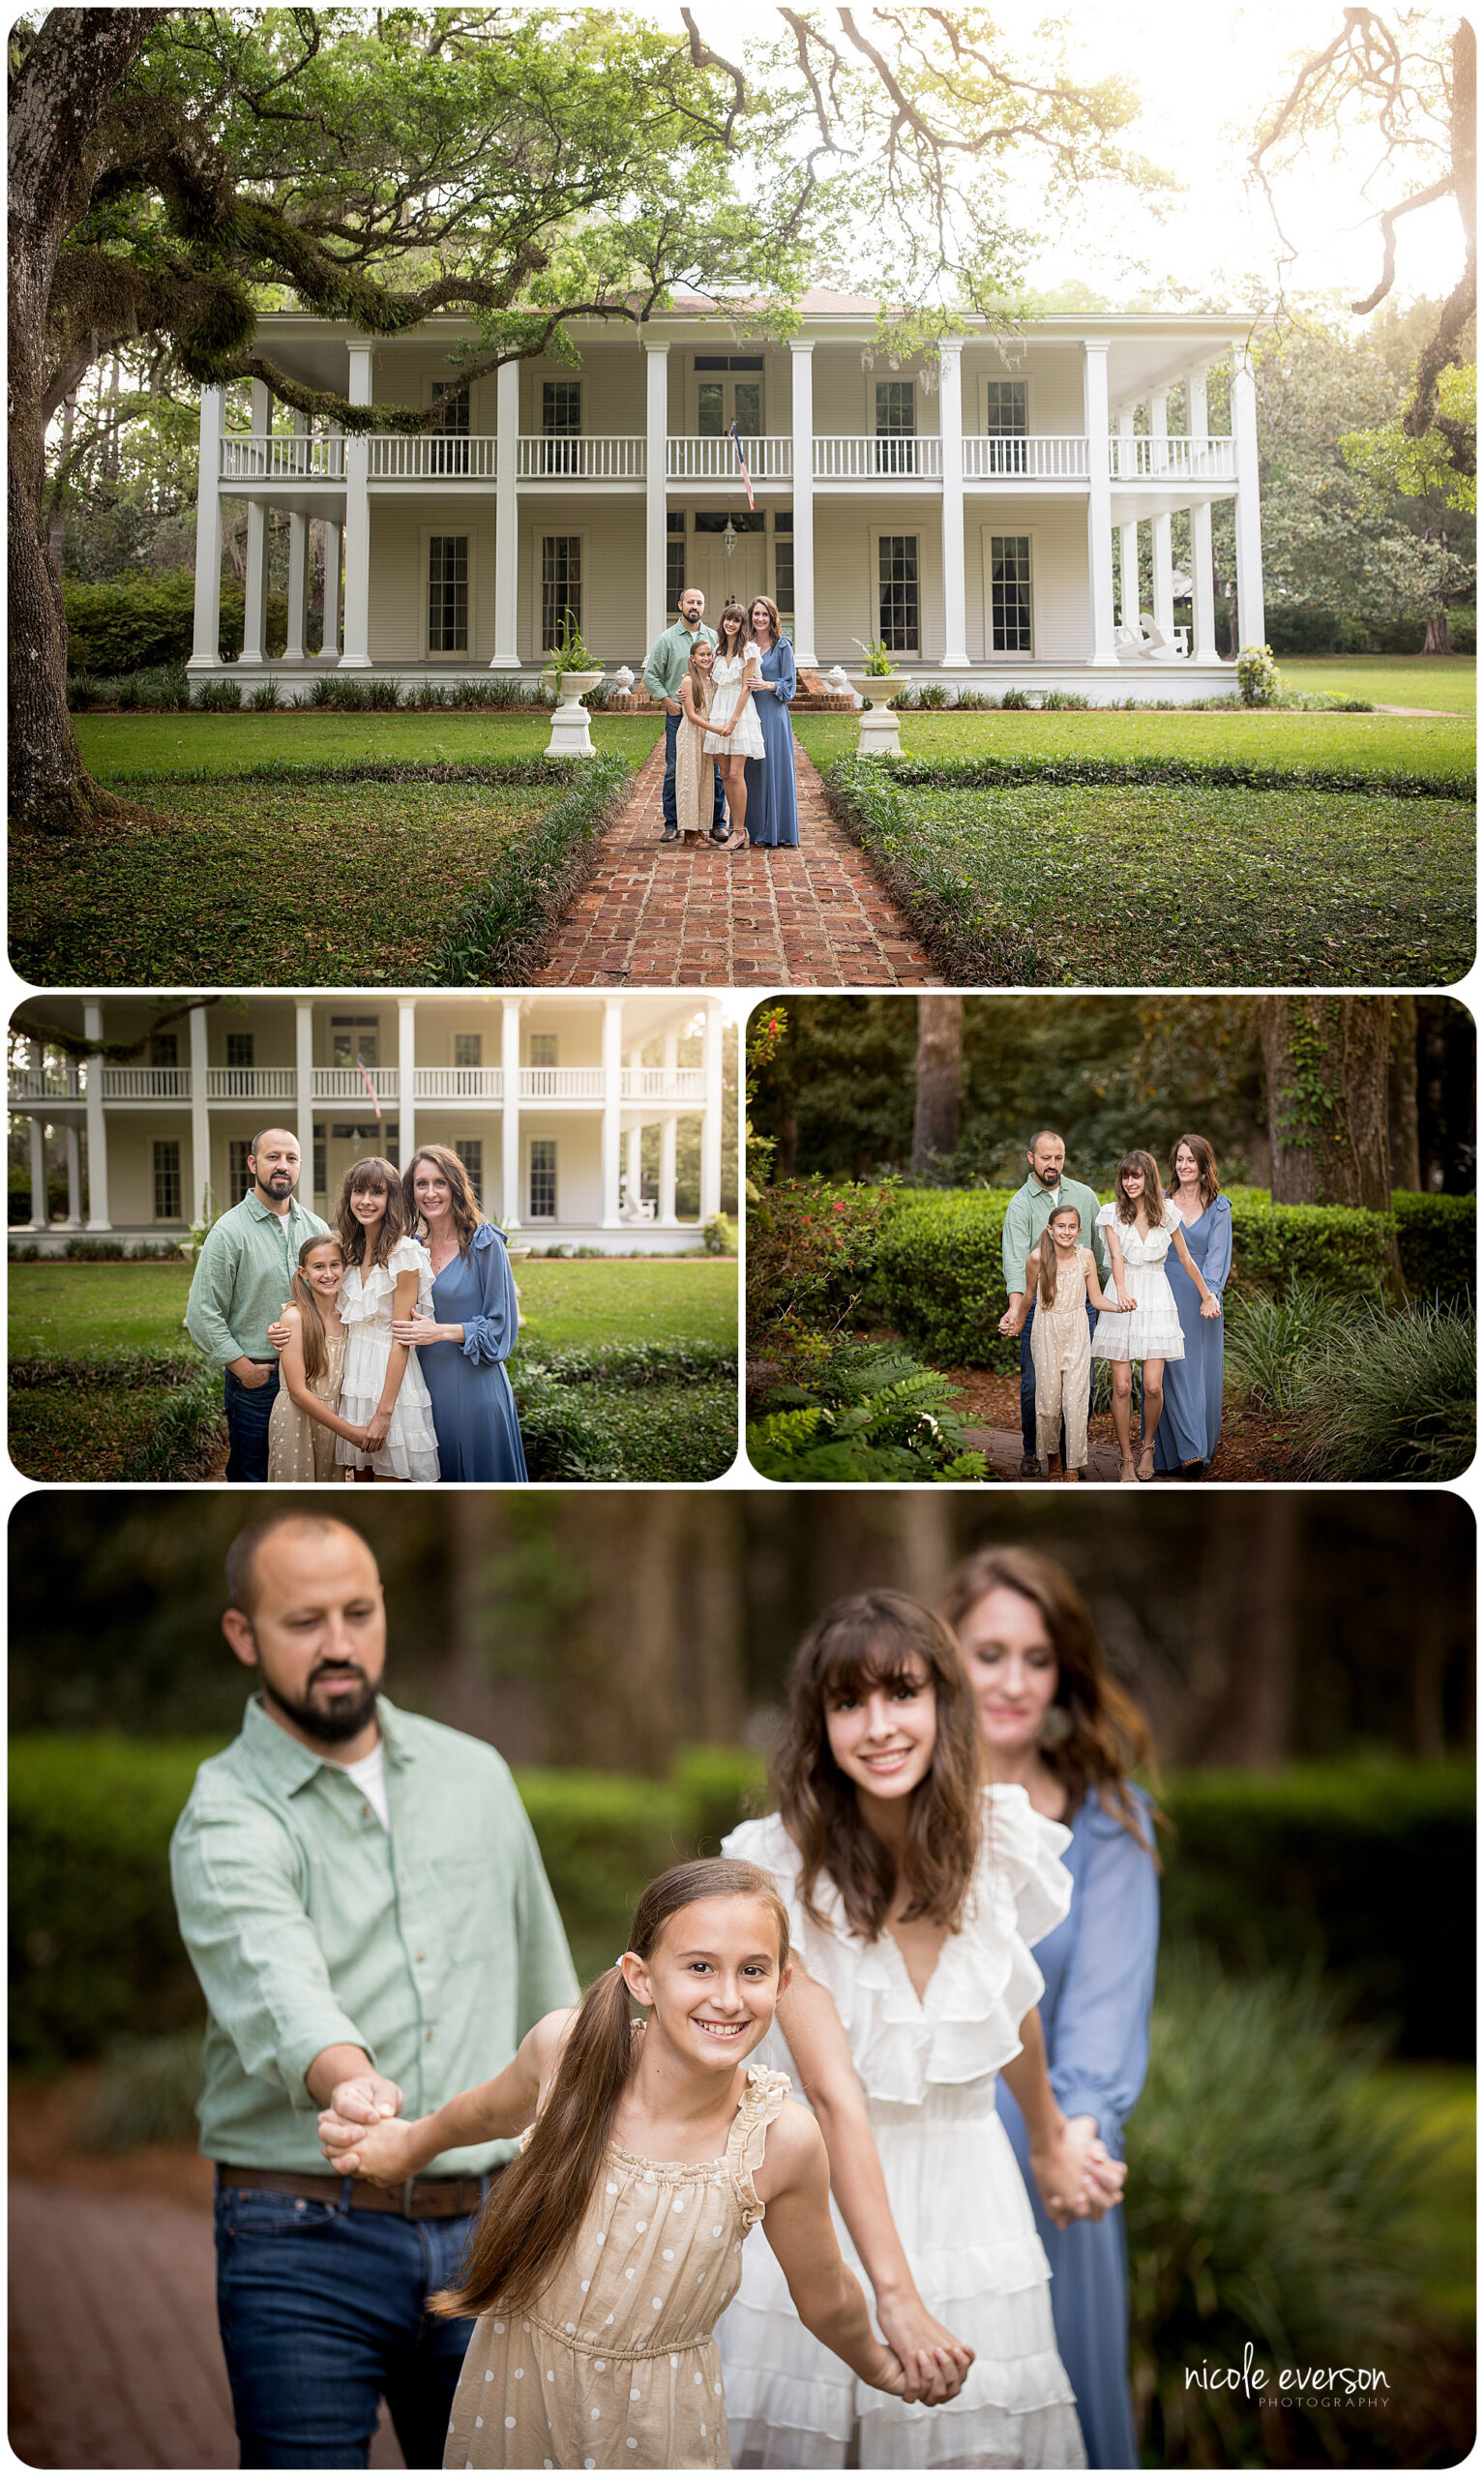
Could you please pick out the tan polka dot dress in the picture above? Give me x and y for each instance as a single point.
(614, 2366)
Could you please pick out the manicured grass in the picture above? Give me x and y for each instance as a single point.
(122, 747)
(564, 1306)
(1044, 885)
(1361, 743)
(1440, 680)
(88, 1311)
(1438, 2102)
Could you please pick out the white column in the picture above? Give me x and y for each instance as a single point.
(298, 566)
(356, 655)
(40, 1217)
(330, 635)
(668, 1130)
(1128, 534)
(657, 616)
(304, 1095)
(950, 399)
(711, 1123)
(510, 1105)
(613, 1087)
(254, 624)
(1100, 583)
(802, 356)
(208, 534)
(74, 1219)
(1197, 422)
(633, 1166)
(200, 1120)
(407, 1079)
(98, 1141)
(1250, 622)
(507, 531)
(1162, 565)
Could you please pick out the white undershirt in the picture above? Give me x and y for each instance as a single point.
(369, 1777)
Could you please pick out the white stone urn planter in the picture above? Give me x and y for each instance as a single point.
(571, 735)
(878, 732)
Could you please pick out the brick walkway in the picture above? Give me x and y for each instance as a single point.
(114, 2359)
(675, 916)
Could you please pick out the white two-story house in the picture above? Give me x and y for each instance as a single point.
(546, 1099)
(977, 509)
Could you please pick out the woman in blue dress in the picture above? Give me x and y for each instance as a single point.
(772, 795)
(462, 1346)
(1055, 1724)
(1190, 1428)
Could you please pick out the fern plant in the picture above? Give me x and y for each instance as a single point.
(872, 1414)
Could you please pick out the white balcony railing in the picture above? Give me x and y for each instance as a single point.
(45, 1084)
(561, 1082)
(251, 1084)
(664, 1083)
(715, 459)
(878, 460)
(435, 456)
(1036, 456)
(146, 1082)
(540, 458)
(347, 1083)
(1172, 460)
(460, 1084)
(259, 455)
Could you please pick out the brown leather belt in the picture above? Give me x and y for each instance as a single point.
(420, 2198)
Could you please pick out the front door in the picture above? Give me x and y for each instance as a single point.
(740, 579)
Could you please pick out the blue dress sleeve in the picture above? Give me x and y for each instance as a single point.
(788, 673)
(1218, 1255)
(491, 1334)
(1102, 2039)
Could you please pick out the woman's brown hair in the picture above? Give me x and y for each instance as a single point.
(535, 2207)
(1046, 1256)
(881, 1638)
(732, 610)
(376, 1177)
(1105, 1736)
(1205, 1168)
(464, 1209)
(1153, 1197)
(771, 608)
(314, 1339)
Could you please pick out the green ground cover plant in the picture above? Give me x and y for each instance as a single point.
(862, 1414)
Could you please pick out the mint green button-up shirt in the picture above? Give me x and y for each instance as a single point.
(1027, 1215)
(241, 1280)
(434, 1946)
(669, 656)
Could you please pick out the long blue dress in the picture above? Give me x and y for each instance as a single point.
(1190, 1423)
(772, 795)
(1099, 1971)
(473, 1408)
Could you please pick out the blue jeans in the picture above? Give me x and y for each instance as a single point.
(248, 1410)
(323, 2310)
(673, 723)
(1028, 1384)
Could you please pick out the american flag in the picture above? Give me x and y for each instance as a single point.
(742, 460)
(369, 1086)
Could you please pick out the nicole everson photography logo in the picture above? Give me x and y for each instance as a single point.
(1310, 2386)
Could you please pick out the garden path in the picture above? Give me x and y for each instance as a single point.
(1001, 1450)
(679, 917)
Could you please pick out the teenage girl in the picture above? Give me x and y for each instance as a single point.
(1060, 1279)
(386, 1274)
(914, 1895)
(734, 732)
(1138, 1230)
(694, 768)
(609, 2246)
(305, 1415)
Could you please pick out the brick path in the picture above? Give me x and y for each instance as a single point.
(114, 2359)
(674, 916)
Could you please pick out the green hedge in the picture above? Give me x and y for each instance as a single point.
(144, 622)
(1437, 1239)
(651, 1431)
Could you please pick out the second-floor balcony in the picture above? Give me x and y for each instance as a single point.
(347, 1086)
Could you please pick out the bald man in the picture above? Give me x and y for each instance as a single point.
(363, 1901)
(241, 1280)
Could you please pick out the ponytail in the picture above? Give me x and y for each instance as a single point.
(1046, 1280)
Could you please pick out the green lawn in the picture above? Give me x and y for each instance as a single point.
(1445, 680)
(122, 747)
(1366, 743)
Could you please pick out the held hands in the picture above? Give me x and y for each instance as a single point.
(366, 2099)
(1011, 1322)
(1075, 2175)
(376, 1431)
(383, 2152)
(932, 2364)
(413, 1329)
(1210, 1306)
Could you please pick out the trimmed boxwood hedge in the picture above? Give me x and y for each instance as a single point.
(1365, 1867)
(1437, 1236)
(139, 623)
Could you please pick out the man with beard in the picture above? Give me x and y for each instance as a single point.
(1027, 1215)
(243, 1276)
(363, 1901)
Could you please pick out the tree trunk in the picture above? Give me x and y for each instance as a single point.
(58, 96)
(1445, 1097)
(1258, 1576)
(939, 1084)
(56, 524)
(1326, 1060)
(1402, 1096)
(1436, 642)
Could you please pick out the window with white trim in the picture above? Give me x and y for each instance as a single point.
(561, 587)
(561, 425)
(1006, 422)
(541, 1195)
(898, 606)
(167, 1180)
(448, 445)
(896, 426)
(239, 1178)
(1010, 616)
(470, 1150)
(448, 593)
(468, 1049)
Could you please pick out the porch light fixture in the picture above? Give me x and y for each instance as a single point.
(730, 538)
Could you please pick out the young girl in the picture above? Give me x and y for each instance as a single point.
(734, 732)
(914, 1895)
(692, 766)
(1141, 1227)
(1060, 1279)
(609, 2246)
(306, 1415)
(386, 1274)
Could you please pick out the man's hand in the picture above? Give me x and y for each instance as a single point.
(252, 1372)
(277, 1333)
(672, 705)
(384, 2153)
(1011, 1321)
(367, 2098)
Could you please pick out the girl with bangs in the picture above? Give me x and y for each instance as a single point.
(387, 1275)
(305, 1415)
(1139, 1228)
(914, 1894)
(470, 1325)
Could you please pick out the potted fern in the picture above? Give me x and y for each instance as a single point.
(571, 669)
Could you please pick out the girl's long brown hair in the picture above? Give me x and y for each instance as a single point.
(1046, 1254)
(380, 1179)
(701, 682)
(1153, 1197)
(463, 1211)
(1208, 1183)
(313, 1340)
(878, 1638)
(535, 2207)
(1107, 1736)
(731, 610)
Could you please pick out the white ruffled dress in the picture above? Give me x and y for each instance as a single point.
(727, 679)
(928, 2069)
(365, 1301)
(1153, 1330)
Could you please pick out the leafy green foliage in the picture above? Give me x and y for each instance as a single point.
(1257, 676)
(1269, 1343)
(502, 935)
(864, 1414)
(1393, 1397)
(606, 1431)
(1436, 1237)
